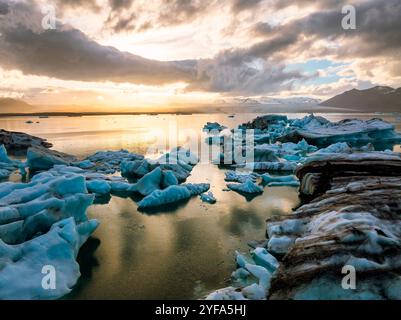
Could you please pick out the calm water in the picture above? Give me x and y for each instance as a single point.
(182, 253)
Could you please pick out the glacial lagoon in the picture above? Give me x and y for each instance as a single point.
(183, 252)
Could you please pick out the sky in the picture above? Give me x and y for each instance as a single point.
(167, 53)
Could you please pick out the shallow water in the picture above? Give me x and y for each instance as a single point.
(183, 252)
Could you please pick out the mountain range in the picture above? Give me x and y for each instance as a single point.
(376, 99)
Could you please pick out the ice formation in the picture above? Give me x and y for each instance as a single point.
(246, 187)
(172, 194)
(39, 159)
(251, 281)
(179, 161)
(42, 223)
(208, 197)
(213, 126)
(7, 165)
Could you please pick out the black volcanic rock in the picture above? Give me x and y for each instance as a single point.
(19, 141)
(377, 99)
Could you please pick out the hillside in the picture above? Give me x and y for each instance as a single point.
(377, 99)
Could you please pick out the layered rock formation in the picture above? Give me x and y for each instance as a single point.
(352, 217)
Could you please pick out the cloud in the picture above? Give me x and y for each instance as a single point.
(240, 5)
(4, 8)
(70, 55)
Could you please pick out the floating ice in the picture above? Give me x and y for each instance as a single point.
(172, 194)
(280, 180)
(39, 158)
(321, 132)
(109, 161)
(213, 126)
(247, 187)
(208, 197)
(21, 265)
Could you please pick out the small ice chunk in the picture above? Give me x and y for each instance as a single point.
(247, 187)
(265, 259)
(208, 197)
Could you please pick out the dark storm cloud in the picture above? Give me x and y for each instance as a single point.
(3, 8)
(378, 32)
(70, 55)
(88, 4)
(240, 5)
(126, 15)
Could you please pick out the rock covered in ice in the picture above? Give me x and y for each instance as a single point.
(247, 187)
(18, 141)
(39, 159)
(353, 220)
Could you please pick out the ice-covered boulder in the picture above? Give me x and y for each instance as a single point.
(351, 219)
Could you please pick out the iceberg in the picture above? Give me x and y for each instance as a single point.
(99, 187)
(251, 281)
(322, 133)
(40, 159)
(247, 187)
(21, 265)
(172, 195)
(108, 161)
(271, 181)
(213, 126)
(179, 161)
(208, 197)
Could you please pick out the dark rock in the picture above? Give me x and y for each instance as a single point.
(18, 141)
